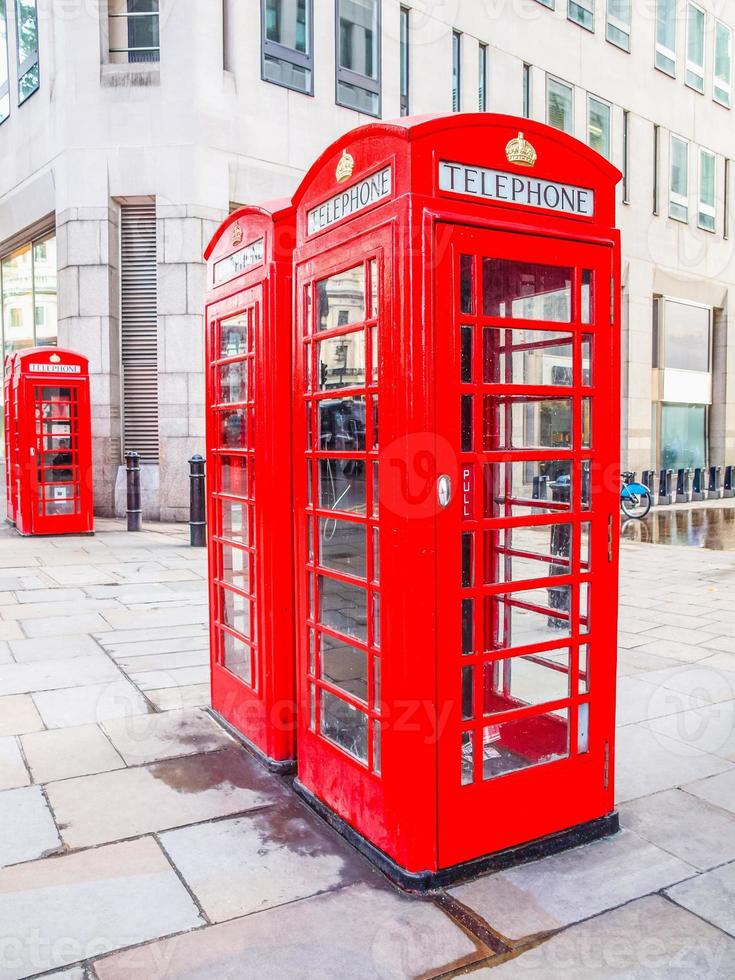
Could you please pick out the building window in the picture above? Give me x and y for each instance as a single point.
(679, 179)
(722, 66)
(134, 31)
(482, 81)
(582, 12)
(683, 436)
(527, 91)
(656, 150)
(404, 61)
(598, 126)
(26, 30)
(726, 199)
(358, 55)
(456, 70)
(286, 50)
(666, 36)
(547, 3)
(4, 77)
(626, 156)
(707, 182)
(695, 47)
(28, 285)
(618, 23)
(559, 105)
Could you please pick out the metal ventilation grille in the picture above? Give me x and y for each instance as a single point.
(139, 330)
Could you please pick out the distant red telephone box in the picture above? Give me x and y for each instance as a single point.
(456, 441)
(10, 440)
(49, 441)
(249, 451)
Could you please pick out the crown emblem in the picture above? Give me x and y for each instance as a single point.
(55, 358)
(345, 167)
(520, 151)
(237, 234)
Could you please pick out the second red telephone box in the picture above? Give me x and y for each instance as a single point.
(10, 438)
(50, 442)
(456, 489)
(248, 355)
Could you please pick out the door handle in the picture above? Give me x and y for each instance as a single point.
(444, 490)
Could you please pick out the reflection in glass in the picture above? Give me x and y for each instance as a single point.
(342, 546)
(586, 316)
(467, 759)
(237, 656)
(341, 361)
(344, 666)
(17, 283)
(527, 423)
(526, 290)
(234, 336)
(236, 613)
(512, 488)
(342, 424)
(531, 741)
(518, 682)
(233, 471)
(234, 521)
(683, 436)
(26, 32)
(343, 607)
(523, 357)
(342, 485)
(535, 551)
(587, 358)
(341, 299)
(586, 423)
(233, 429)
(236, 567)
(233, 378)
(344, 725)
(468, 693)
(523, 618)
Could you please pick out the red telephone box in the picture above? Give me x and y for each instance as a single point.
(50, 442)
(10, 441)
(456, 490)
(250, 516)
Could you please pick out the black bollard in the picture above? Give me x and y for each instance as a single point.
(197, 503)
(132, 465)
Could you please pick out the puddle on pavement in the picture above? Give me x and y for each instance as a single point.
(702, 527)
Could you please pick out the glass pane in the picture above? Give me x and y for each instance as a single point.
(4, 99)
(468, 693)
(233, 429)
(586, 423)
(517, 357)
(358, 36)
(468, 626)
(679, 167)
(587, 277)
(233, 378)
(342, 485)
(584, 551)
(286, 24)
(466, 355)
(584, 607)
(286, 72)
(342, 424)
(512, 488)
(376, 746)
(559, 105)
(583, 728)
(466, 283)
(342, 546)
(236, 613)
(376, 554)
(233, 338)
(234, 521)
(686, 336)
(515, 554)
(344, 725)
(27, 38)
(517, 682)
(18, 314)
(526, 290)
(466, 423)
(587, 359)
(528, 423)
(584, 668)
(344, 666)
(527, 617)
(666, 24)
(343, 607)
(513, 745)
(467, 548)
(341, 361)
(467, 760)
(233, 470)
(237, 656)
(341, 299)
(598, 126)
(236, 567)
(44, 284)
(683, 436)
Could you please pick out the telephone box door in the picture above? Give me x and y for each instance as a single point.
(526, 364)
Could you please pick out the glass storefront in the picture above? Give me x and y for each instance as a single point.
(683, 436)
(28, 293)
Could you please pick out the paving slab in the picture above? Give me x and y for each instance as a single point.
(10, 631)
(357, 933)
(42, 609)
(18, 715)
(27, 829)
(90, 703)
(711, 896)
(82, 905)
(571, 886)
(13, 772)
(50, 595)
(647, 762)
(153, 634)
(6, 657)
(63, 753)
(130, 802)
(54, 648)
(150, 647)
(698, 833)
(48, 675)
(709, 727)
(158, 680)
(256, 862)
(150, 738)
(650, 939)
(64, 625)
(638, 700)
(164, 661)
(688, 684)
(178, 698)
(718, 790)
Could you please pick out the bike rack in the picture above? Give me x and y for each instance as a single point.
(727, 490)
(664, 486)
(682, 486)
(713, 484)
(648, 479)
(698, 484)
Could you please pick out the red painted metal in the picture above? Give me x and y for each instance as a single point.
(248, 392)
(11, 485)
(456, 656)
(49, 442)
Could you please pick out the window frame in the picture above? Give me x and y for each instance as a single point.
(482, 80)
(456, 71)
(618, 25)
(289, 55)
(33, 60)
(527, 94)
(567, 85)
(607, 105)
(114, 15)
(588, 6)
(675, 198)
(405, 61)
(626, 157)
(691, 68)
(718, 83)
(5, 89)
(707, 210)
(661, 49)
(348, 77)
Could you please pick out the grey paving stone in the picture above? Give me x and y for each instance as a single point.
(709, 727)
(18, 715)
(130, 802)
(693, 683)
(153, 619)
(13, 772)
(711, 896)
(10, 631)
(638, 700)
(65, 625)
(150, 738)
(356, 933)
(676, 651)
(647, 762)
(178, 698)
(42, 608)
(164, 661)
(719, 790)
(63, 753)
(158, 680)
(153, 635)
(89, 704)
(571, 886)
(148, 648)
(6, 656)
(268, 858)
(54, 648)
(27, 828)
(81, 905)
(650, 939)
(50, 595)
(683, 825)
(47, 675)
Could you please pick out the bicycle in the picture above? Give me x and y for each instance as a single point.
(635, 498)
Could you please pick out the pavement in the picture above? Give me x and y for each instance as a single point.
(139, 840)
